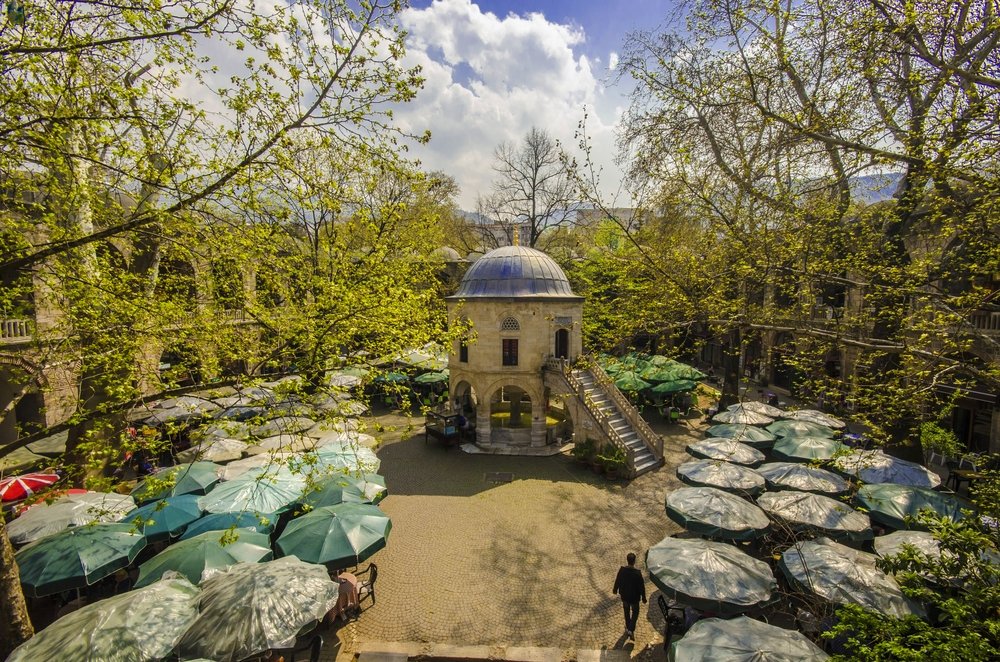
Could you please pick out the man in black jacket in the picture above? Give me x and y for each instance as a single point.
(630, 585)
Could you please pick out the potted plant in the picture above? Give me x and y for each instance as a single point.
(613, 461)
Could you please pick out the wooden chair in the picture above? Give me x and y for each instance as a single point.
(366, 586)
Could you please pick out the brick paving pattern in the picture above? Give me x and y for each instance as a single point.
(525, 563)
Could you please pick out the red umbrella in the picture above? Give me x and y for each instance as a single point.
(16, 488)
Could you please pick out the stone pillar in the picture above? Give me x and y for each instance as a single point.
(538, 427)
(515, 410)
(483, 433)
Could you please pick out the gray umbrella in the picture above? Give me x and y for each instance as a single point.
(144, 624)
(895, 542)
(802, 477)
(756, 407)
(711, 576)
(748, 434)
(815, 511)
(43, 519)
(817, 417)
(723, 475)
(727, 450)
(844, 575)
(214, 449)
(877, 467)
(742, 417)
(252, 607)
(743, 639)
(711, 512)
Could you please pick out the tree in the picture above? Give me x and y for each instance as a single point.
(532, 189)
(765, 115)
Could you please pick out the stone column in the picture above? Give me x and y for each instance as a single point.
(538, 427)
(483, 432)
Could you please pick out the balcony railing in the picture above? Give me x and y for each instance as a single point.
(15, 331)
(986, 322)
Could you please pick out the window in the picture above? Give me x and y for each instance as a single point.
(463, 351)
(509, 351)
(510, 324)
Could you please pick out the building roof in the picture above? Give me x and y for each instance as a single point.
(515, 271)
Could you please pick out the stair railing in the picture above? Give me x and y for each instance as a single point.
(653, 441)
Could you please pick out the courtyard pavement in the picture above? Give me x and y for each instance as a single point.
(530, 562)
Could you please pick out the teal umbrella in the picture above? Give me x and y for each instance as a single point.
(144, 624)
(371, 485)
(393, 378)
(223, 521)
(256, 492)
(198, 557)
(805, 449)
(338, 536)
(432, 377)
(800, 429)
(675, 386)
(333, 490)
(892, 504)
(750, 435)
(76, 557)
(166, 518)
(193, 478)
(346, 458)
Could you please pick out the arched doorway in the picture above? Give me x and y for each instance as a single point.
(180, 366)
(562, 344)
(510, 416)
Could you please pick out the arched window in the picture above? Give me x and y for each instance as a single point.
(510, 324)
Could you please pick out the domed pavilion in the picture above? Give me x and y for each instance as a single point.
(522, 312)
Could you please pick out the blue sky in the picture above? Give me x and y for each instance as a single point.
(494, 68)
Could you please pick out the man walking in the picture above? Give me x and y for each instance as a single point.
(630, 585)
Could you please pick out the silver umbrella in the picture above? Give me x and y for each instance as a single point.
(144, 624)
(264, 461)
(214, 449)
(743, 639)
(756, 407)
(711, 576)
(723, 475)
(254, 607)
(806, 449)
(748, 434)
(711, 512)
(802, 477)
(896, 542)
(817, 417)
(727, 450)
(282, 424)
(742, 417)
(285, 442)
(895, 505)
(68, 511)
(844, 575)
(877, 467)
(266, 491)
(803, 509)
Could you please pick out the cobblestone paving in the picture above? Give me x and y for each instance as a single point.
(528, 563)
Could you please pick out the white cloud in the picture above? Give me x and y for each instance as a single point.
(490, 79)
(612, 61)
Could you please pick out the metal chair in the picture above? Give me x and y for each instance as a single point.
(366, 586)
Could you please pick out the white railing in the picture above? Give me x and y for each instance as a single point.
(986, 322)
(234, 315)
(15, 330)
(652, 440)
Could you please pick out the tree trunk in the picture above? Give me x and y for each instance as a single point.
(731, 370)
(15, 624)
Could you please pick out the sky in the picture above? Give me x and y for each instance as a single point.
(495, 68)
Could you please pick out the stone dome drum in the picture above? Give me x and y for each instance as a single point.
(515, 271)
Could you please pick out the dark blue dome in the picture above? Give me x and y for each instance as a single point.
(514, 271)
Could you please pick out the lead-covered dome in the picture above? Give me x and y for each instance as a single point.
(514, 271)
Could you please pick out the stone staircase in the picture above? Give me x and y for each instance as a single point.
(645, 453)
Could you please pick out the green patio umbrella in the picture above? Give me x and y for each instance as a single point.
(750, 435)
(712, 512)
(76, 557)
(892, 504)
(393, 378)
(267, 491)
(743, 639)
(333, 490)
(802, 477)
(193, 478)
(712, 576)
(198, 557)
(800, 429)
(627, 380)
(432, 377)
(673, 386)
(346, 458)
(371, 485)
(805, 449)
(140, 625)
(223, 521)
(250, 608)
(337, 536)
(166, 518)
